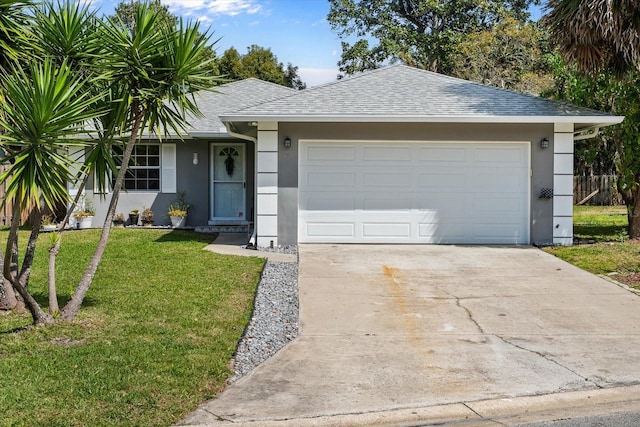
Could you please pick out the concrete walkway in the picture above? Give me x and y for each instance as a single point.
(233, 244)
(392, 335)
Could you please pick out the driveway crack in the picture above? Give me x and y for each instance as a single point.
(469, 314)
(547, 358)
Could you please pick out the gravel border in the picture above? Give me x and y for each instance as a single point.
(274, 321)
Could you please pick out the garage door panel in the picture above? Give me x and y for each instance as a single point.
(504, 233)
(331, 229)
(386, 229)
(445, 204)
(441, 153)
(380, 203)
(499, 155)
(504, 207)
(498, 181)
(440, 179)
(328, 202)
(438, 231)
(386, 154)
(320, 153)
(386, 179)
(324, 179)
(422, 193)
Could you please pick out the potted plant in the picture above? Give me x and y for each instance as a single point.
(84, 217)
(178, 210)
(134, 216)
(48, 223)
(118, 220)
(147, 217)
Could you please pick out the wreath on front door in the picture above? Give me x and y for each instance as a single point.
(229, 162)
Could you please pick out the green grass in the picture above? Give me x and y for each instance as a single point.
(602, 257)
(153, 340)
(600, 223)
(605, 227)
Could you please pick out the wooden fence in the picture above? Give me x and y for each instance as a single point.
(607, 194)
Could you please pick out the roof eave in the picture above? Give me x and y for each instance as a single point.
(588, 121)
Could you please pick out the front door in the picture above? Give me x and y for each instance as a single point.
(228, 186)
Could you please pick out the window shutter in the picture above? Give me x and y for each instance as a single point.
(168, 168)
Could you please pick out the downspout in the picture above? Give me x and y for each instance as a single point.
(592, 134)
(254, 238)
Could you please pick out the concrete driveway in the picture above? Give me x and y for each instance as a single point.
(399, 334)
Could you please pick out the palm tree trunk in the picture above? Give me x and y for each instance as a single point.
(38, 315)
(11, 268)
(73, 306)
(27, 261)
(8, 300)
(54, 250)
(54, 308)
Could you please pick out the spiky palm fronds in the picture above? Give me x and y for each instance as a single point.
(595, 34)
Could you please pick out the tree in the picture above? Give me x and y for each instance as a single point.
(292, 78)
(160, 67)
(230, 65)
(67, 32)
(13, 32)
(143, 78)
(259, 63)
(601, 39)
(420, 33)
(595, 34)
(513, 55)
(12, 29)
(125, 10)
(43, 111)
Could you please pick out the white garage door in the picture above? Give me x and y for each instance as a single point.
(394, 192)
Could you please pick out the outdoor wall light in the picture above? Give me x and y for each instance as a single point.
(544, 143)
(196, 159)
(287, 142)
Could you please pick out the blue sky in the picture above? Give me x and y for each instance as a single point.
(296, 31)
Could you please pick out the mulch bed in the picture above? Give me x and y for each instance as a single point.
(629, 279)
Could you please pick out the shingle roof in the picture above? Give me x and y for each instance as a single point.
(402, 93)
(231, 97)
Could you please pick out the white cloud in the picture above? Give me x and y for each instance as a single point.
(317, 76)
(217, 7)
(185, 4)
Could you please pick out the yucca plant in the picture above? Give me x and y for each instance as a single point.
(43, 112)
(160, 68)
(139, 78)
(13, 29)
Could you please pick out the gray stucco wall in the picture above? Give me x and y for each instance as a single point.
(541, 160)
(192, 179)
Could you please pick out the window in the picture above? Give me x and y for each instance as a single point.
(144, 167)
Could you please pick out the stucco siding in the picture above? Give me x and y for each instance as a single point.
(541, 228)
(194, 180)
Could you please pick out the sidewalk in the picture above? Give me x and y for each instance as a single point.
(482, 413)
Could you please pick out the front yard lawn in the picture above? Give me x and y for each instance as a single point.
(153, 340)
(602, 245)
(600, 224)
